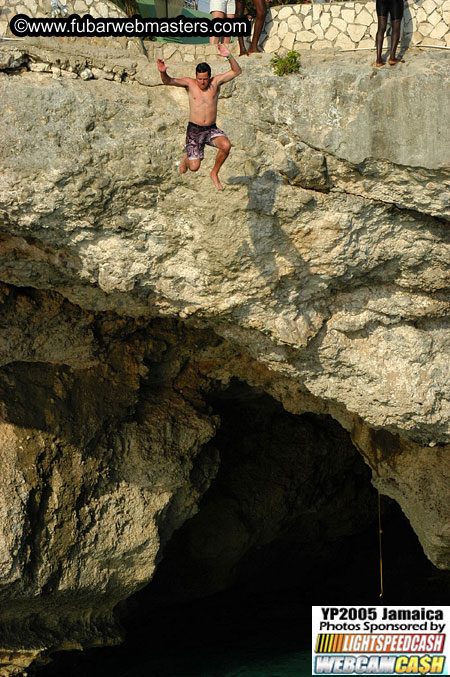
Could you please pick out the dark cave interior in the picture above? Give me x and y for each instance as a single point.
(290, 521)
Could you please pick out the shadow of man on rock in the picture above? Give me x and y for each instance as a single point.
(407, 28)
(278, 217)
(267, 237)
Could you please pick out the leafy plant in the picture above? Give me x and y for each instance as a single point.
(283, 65)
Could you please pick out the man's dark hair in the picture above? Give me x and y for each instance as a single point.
(203, 68)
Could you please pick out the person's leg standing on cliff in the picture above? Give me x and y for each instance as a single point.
(261, 11)
(222, 9)
(203, 95)
(395, 9)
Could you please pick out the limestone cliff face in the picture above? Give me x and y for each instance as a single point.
(320, 275)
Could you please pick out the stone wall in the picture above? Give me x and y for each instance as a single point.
(41, 8)
(351, 25)
(343, 25)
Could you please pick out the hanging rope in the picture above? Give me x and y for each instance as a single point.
(380, 531)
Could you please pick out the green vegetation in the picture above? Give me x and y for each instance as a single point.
(283, 65)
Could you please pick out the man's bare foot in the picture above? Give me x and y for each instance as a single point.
(254, 50)
(183, 165)
(380, 63)
(216, 181)
(243, 53)
(394, 62)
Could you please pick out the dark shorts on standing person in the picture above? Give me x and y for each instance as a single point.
(198, 136)
(392, 7)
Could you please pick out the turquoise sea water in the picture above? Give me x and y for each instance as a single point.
(208, 662)
(290, 664)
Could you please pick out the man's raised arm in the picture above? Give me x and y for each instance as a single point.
(167, 80)
(235, 67)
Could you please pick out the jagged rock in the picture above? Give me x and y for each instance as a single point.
(320, 275)
(109, 196)
(89, 494)
(86, 74)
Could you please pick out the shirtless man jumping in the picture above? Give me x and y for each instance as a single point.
(203, 95)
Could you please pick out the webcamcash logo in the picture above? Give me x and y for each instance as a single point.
(381, 640)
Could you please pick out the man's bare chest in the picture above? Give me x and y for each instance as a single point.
(200, 98)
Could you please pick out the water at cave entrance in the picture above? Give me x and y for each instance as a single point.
(257, 658)
(231, 634)
(255, 663)
(286, 665)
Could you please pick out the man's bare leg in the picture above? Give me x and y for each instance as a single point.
(395, 37)
(239, 15)
(227, 39)
(382, 23)
(261, 11)
(183, 164)
(214, 39)
(224, 146)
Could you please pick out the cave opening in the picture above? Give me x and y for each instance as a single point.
(290, 520)
(292, 507)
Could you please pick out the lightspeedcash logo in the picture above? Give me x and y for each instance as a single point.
(380, 640)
